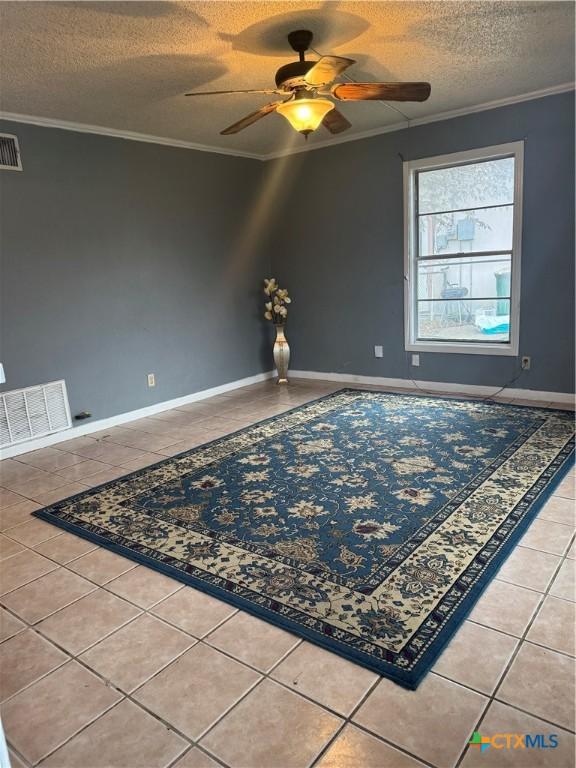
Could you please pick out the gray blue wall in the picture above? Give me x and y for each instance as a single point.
(339, 249)
(122, 258)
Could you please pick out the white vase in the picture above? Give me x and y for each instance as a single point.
(281, 355)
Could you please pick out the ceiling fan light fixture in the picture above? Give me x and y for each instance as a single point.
(305, 115)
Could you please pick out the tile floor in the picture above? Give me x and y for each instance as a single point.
(104, 663)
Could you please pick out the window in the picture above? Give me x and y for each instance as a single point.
(463, 221)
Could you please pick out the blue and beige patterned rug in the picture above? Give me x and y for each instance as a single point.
(367, 522)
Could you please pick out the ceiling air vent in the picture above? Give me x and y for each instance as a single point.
(9, 153)
(33, 412)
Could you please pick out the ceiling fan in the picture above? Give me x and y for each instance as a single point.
(305, 84)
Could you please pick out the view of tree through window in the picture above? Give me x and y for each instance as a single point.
(464, 220)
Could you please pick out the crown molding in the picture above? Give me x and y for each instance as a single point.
(66, 125)
(438, 117)
(100, 130)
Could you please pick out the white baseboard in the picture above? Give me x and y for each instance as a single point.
(122, 418)
(344, 378)
(438, 386)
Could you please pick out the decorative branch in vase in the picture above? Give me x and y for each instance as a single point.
(277, 312)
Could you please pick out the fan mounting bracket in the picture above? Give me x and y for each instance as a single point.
(300, 41)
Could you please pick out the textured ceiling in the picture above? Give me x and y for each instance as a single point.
(126, 65)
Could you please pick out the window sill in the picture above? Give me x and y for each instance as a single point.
(458, 348)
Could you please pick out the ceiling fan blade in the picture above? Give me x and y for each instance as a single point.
(326, 69)
(335, 122)
(251, 118)
(219, 93)
(381, 91)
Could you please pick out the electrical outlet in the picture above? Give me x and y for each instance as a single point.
(151, 380)
(378, 351)
(416, 360)
(526, 363)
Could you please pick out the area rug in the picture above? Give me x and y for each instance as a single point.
(368, 523)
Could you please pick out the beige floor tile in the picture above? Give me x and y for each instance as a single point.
(325, 677)
(184, 433)
(261, 730)
(529, 568)
(42, 717)
(15, 761)
(124, 736)
(83, 469)
(506, 607)
(8, 547)
(17, 513)
(22, 568)
(564, 585)
(101, 565)
(49, 459)
(110, 453)
(433, 722)
(354, 748)
(8, 498)
(76, 444)
(146, 460)
(173, 416)
(107, 434)
(104, 477)
(501, 718)
(25, 658)
(559, 510)
(562, 406)
(62, 492)
(193, 611)
(252, 640)
(9, 625)
(33, 532)
(149, 424)
(144, 441)
(542, 683)
(572, 551)
(65, 548)
(47, 594)
(490, 650)
(197, 410)
(554, 625)
(15, 473)
(134, 653)
(567, 487)
(195, 758)
(527, 402)
(184, 445)
(143, 586)
(87, 621)
(194, 691)
(548, 537)
(37, 485)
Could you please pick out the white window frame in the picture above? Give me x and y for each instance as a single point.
(412, 344)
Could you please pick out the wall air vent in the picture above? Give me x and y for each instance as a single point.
(9, 153)
(33, 412)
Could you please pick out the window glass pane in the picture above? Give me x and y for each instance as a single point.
(466, 186)
(478, 277)
(489, 229)
(464, 320)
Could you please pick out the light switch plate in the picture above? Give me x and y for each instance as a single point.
(416, 360)
(378, 351)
